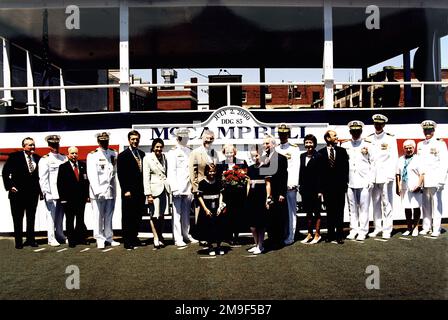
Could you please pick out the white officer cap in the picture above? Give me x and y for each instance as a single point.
(182, 133)
(102, 136)
(53, 138)
(429, 125)
(284, 128)
(379, 118)
(355, 125)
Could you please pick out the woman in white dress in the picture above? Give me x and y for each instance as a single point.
(409, 179)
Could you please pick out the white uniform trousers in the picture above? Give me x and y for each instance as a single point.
(291, 198)
(103, 211)
(432, 209)
(55, 219)
(358, 200)
(181, 218)
(382, 195)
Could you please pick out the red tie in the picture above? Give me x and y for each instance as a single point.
(75, 169)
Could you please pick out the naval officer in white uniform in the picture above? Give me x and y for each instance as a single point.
(179, 180)
(292, 153)
(385, 157)
(360, 181)
(101, 171)
(48, 176)
(434, 157)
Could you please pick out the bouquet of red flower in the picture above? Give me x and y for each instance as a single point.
(235, 178)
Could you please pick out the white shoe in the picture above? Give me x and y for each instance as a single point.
(435, 234)
(212, 252)
(314, 241)
(54, 243)
(114, 243)
(251, 250)
(374, 233)
(100, 245)
(415, 232)
(423, 232)
(258, 250)
(407, 232)
(180, 244)
(221, 252)
(352, 235)
(361, 237)
(192, 240)
(306, 239)
(386, 235)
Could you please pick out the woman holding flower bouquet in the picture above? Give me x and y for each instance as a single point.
(233, 173)
(212, 210)
(259, 199)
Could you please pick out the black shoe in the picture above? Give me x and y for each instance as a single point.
(129, 247)
(19, 246)
(71, 245)
(340, 241)
(138, 243)
(31, 244)
(328, 240)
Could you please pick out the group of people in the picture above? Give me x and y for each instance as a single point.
(230, 196)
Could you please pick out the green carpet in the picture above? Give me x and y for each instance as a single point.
(409, 269)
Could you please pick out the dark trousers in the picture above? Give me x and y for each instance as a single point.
(277, 216)
(335, 202)
(19, 205)
(132, 209)
(75, 210)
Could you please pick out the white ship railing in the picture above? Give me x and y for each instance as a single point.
(344, 85)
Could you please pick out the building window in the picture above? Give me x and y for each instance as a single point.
(316, 95)
(244, 96)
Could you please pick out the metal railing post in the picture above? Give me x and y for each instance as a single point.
(228, 94)
(422, 96)
(38, 101)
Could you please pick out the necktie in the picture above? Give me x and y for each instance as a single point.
(137, 158)
(404, 174)
(30, 164)
(75, 169)
(331, 159)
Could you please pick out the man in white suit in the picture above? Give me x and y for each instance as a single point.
(385, 157)
(179, 180)
(292, 153)
(434, 156)
(48, 175)
(360, 181)
(101, 171)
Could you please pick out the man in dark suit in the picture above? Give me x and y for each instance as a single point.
(276, 166)
(73, 189)
(130, 176)
(21, 179)
(334, 169)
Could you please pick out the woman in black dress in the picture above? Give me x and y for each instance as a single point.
(210, 218)
(258, 200)
(234, 195)
(309, 186)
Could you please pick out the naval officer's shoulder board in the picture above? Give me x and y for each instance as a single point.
(390, 134)
(295, 145)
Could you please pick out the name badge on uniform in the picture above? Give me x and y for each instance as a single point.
(384, 146)
(213, 205)
(434, 151)
(85, 176)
